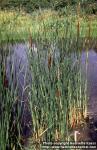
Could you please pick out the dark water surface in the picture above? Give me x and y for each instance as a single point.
(89, 65)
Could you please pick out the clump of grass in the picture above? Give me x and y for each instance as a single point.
(8, 98)
(57, 94)
(5, 105)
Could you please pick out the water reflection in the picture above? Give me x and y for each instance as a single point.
(17, 70)
(89, 67)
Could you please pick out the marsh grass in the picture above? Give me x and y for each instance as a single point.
(16, 26)
(4, 107)
(8, 97)
(57, 98)
(58, 94)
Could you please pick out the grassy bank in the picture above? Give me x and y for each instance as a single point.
(16, 26)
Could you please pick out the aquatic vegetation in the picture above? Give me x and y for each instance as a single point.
(57, 97)
(15, 108)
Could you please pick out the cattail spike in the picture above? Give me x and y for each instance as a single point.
(49, 61)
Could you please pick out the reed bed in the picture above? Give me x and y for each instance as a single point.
(59, 94)
(5, 105)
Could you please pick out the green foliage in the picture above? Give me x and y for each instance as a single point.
(31, 5)
(90, 7)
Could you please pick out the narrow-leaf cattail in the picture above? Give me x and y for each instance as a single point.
(49, 61)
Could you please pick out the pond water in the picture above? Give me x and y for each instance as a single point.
(17, 66)
(89, 65)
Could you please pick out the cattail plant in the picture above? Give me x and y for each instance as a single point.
(78, 28)
(49, 60)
